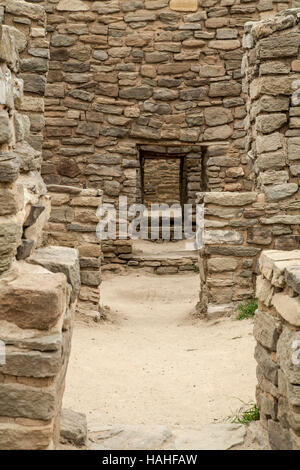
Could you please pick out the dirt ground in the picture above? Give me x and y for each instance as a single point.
(153, 364)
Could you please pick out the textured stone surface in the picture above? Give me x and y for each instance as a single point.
(264, 290)
(277, 331)
(9, 167)
(230, 199)
(211, 437)
(59, 259)
(36, 310)
(18, 437)
(267, 365)
(73, 427)
(288, 308)
(33, 292)
(281, 191)
(184, 5)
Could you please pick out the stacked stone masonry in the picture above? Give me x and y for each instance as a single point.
(39, 284)
(277, 331)
(126, 73)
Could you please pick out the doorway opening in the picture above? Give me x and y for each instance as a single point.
(168, 178)
(170, 174)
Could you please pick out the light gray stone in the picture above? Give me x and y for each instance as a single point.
(266, 330)
(230, 198)
(268, 123)
(294, 148)
(231, 237)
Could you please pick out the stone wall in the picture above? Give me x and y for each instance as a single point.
(72, 223)
(277, 331)
(126, 73)
(233, 239)
(39, 285)
(272, 74)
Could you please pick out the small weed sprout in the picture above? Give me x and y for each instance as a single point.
(247, 309)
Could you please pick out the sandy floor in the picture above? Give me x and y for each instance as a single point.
(154, 365)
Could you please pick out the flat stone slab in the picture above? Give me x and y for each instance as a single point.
(222, 436)
(132, 437)
(184, 5)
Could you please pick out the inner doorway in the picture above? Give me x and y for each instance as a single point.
(170, 174)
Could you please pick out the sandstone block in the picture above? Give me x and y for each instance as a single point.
(271, 160)
(32, 363)
(138, 93)
(17, 437)
(268, 143)
(270, 122)
(216, 116)
(279, 437)
(279, 46)
(222, 264)
(230, 198)
(34, 299)
(226, 88)
(274, 177)
(288, 356)
(293, 148)
(73, 427)
(230, 237)
(28, 402)
(71, 5)
(266, 329)
(9, 167)
(273, 104)
(10, 239)
(281, 191)
(259, 235)
(267, 365)
(184, 5)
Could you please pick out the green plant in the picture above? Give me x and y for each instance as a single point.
(247, 309)
(246, 414)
